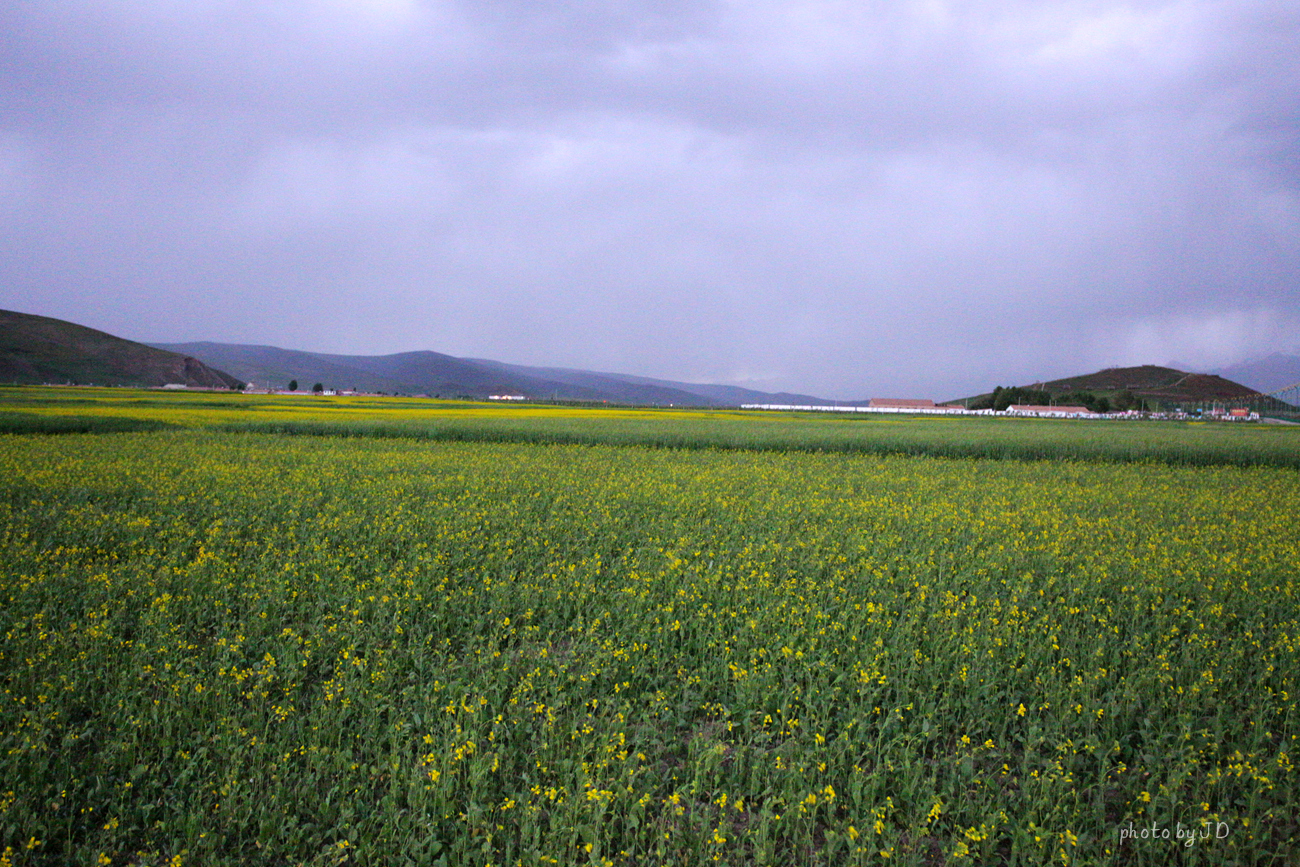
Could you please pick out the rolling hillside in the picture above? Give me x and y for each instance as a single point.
(1149, 381)
(1152, 381)
(39, 349)
(435, 374)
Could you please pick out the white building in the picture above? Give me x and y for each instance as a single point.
(1050, 411)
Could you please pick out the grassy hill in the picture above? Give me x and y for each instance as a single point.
(39, 349)
(1153, 381)
(1148, 384)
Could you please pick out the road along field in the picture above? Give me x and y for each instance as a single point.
(233, 648)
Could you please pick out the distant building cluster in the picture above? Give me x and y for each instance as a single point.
(253, 388)
(929, 407)
(1050, 411)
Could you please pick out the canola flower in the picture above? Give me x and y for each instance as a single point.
(229, 648)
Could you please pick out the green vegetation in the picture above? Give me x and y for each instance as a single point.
(231, 647)
(33, 423)
(38, 349)
(1122, 388)
(1001, 398)
(1174, 443)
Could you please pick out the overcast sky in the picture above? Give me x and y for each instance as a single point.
(906, 198)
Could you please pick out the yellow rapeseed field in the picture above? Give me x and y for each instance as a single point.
(225, 647)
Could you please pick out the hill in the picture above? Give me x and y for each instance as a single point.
(1153, 381)
(1122, 386)
(39, 349)
(440, 375)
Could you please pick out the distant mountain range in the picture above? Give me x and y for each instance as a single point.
(38, 349)
(439, 375)
(1268, 374)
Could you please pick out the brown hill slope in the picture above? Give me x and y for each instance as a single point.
(39, 349)
(1153, 381)
(1164, 385)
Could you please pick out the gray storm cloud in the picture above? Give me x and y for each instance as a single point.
(846, 199)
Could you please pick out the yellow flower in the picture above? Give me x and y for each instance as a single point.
(935, 810)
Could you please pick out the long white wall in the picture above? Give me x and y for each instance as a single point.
(927, 410)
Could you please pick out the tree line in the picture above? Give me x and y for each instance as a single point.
(1001, 398)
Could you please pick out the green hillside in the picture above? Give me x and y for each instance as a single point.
(39, 349)
(1120, 388)
(434, 373)
(1157, 382)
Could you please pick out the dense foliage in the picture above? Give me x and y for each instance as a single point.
(1001, 398)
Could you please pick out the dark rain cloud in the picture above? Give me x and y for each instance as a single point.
(907, 198)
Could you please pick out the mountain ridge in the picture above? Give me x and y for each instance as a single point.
(41, 349)
(441, 375)
(35, 349)
(1269, 373)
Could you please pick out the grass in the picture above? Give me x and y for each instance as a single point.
(35, 423)
(232, 647)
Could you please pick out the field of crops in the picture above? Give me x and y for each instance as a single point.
(225, 646)
(1195, 443)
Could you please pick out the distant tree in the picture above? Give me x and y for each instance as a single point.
(1001, 398)
(317, 388)
(293, 385)
(1005, 397)
(1125, 401)
(1090, 399)
(986, 402)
